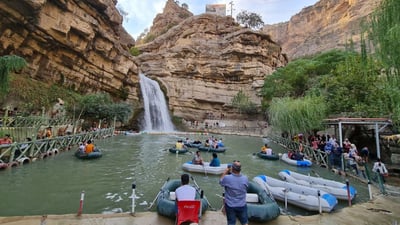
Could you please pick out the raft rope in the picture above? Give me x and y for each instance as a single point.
(199, 190)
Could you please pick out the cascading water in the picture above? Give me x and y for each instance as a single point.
(156, 114)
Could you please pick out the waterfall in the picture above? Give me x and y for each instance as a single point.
(156, 114)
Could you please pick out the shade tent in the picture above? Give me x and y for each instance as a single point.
(378, 123)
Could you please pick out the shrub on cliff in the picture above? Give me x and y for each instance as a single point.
(243, 103)
(250, 20)
(9, 63)
(134, 51)
(100, 106)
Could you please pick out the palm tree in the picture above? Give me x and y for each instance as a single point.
(9, 63)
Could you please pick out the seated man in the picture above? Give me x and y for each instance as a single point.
(290, 154)
(197, 159)
(185, 191)
(215, 160)
(269, 151)
(89, 147)
(264, 149)
(197, 142)
(187, 141)
(220, 143)
(179, 144)
(82, 148)
(298, 156)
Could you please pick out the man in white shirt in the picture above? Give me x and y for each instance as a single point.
(380, 169)
(269, 151)
(185, 191)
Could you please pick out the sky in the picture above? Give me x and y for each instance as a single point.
(140, 13)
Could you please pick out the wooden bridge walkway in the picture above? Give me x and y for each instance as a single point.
(24, 152)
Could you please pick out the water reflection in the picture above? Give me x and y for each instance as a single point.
(53, 185)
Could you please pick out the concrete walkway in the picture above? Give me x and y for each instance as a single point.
(382, 210)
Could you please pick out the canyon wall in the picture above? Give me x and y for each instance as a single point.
(79, 44)
(329, 24)
(204, 61)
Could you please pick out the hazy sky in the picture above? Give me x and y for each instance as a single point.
(142, 12)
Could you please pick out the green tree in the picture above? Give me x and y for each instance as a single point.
(9, 63)
(297, 115)
(243, 103)
(250, 20)
(384, 31)
(100, 106)
(354, 88)
(301, 76)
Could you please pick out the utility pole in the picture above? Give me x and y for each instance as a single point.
(231, 3)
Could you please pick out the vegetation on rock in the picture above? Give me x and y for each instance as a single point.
(33, 97)
(297, 115)
(350, 84)
(384, 32)
(8, 63)
(100, 106)
(134, 51)
(250, 20)
(243, 103)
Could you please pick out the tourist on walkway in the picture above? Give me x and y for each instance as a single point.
(364, 153)
(380, 169)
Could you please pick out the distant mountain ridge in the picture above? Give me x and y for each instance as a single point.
(327, 25)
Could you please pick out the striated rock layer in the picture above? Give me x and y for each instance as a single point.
(204, 61)
(171, 16)
(329, 24)
(75, 43)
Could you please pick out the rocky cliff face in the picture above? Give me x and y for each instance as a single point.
(329, 24)
(171, 16)
(75, 43)
(204, 61)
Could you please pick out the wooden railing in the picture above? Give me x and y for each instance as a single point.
(317, 156)
(43, 147)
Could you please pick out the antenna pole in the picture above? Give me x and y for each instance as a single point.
(231, 3)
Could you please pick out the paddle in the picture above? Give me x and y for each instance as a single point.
(205, 170)
(200, 191)
(151, 205)
(316, 174)
(223, 203)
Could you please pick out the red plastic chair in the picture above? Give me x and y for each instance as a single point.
(188, 211)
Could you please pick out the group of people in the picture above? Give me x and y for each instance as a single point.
(86, 147)
(179, 145)
(235, 186)
(214, 142)
(355, 159)
(266, 150)
(295, 155)
(188, 141)
(198, 160)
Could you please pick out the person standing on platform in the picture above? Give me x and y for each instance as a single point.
(235, 187)
(380, 169)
